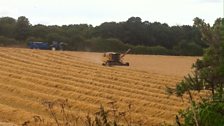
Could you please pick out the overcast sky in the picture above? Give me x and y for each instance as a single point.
(95, 12)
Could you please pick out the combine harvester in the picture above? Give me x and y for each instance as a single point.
(114, 58)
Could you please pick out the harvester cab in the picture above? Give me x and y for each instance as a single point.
(114, 58)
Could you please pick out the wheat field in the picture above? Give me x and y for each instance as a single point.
(30, 77)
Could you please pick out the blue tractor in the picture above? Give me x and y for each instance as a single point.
(39, 45)
(45, 45)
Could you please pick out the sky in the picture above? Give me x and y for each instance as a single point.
(95, 12)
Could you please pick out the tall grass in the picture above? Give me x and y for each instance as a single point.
(60, 114)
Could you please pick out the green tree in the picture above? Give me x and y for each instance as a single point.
(77, 42)
(107, 45)
(188, 49)
(209, 76)
(4, 41)
(39, 31)
(22, 28)
(133, 32)
(7, 27)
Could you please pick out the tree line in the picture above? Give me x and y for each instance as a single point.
(143, 37)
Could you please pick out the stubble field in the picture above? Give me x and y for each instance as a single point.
(30, 77)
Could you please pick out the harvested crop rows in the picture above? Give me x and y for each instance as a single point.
(30, 77)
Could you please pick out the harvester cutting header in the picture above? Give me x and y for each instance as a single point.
(114, 58)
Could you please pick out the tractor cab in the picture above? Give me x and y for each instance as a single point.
(112, 56)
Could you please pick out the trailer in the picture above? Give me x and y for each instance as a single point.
(38, 45)
(46, 46)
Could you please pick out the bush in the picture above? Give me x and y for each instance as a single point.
(115, 45)
(208, 76)
(34, 39)
(207, 113)
(4, 41)
(77, 43)
(156, 50)
(107, 45)
(188, 49)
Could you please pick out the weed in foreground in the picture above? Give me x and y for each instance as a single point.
(60, 114)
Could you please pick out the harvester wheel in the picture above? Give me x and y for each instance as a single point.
(126, 64)
(108, 64)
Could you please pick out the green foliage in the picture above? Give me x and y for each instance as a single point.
(78, 43)
(208, 114)
(143, 36)
(115, 45)
(190, 82)
(62, 115)
(35, 39)
(39, 31)
(22, 28)
(208, 75)
(188, 49)
(4, 41)
(221, 69)
(107, 45)
(7, 27)
(211, 113)
(55, 37)
(156, 50)
(208, 72)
